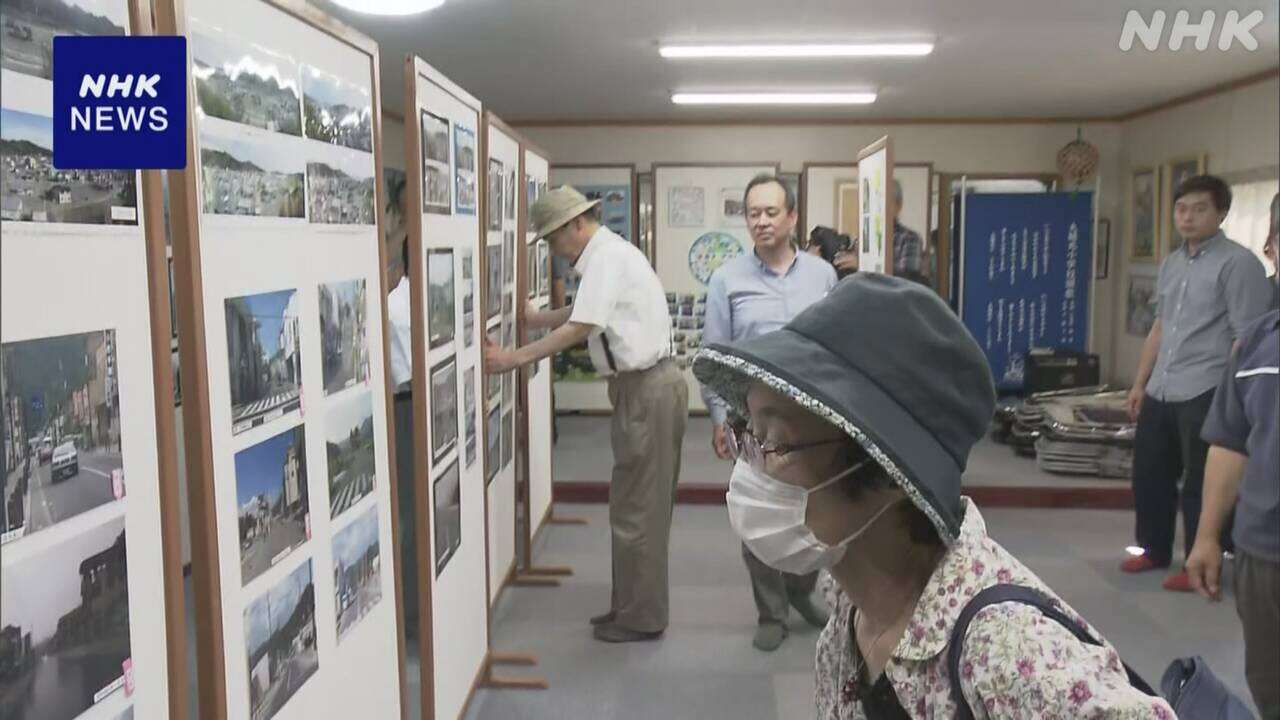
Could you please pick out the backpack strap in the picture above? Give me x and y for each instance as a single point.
(995, 595)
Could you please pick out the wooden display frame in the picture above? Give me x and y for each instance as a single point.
(185, 214)
(883, 144)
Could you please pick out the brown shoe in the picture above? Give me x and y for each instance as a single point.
(605, 618)
(613, 633)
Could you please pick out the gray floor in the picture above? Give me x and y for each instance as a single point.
(705, 667)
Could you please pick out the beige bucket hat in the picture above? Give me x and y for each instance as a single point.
(555, 209)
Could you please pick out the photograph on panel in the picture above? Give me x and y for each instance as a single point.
(444, 409)
(468, 298)
(61, 415)
(469, 413)
(544, 268)
(29, 28)
(441, 310)
(244, 83)
(464, 158)
(447, 516)
(264, 358)
(508, 438)
(531, 272)
(437, 193)
(64, 614)
(495, 385)
(340, 188)
(686, 206)
(33, 190)
(250, 174)
(494, 206)
(493, 269)
(349, 452)
(509, 194)
(508, 320)
(531, 196)
(280, 642)
(508, 388)
(493, 443)
(357, 571)
(343, 340)
(509, 257)
(336, 111)
(272, 506)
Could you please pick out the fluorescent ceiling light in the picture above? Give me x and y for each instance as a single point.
(389, 7)
(774, 98)
(797, 51)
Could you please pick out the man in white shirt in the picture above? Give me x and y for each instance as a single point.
(621, 311)
(401, 343)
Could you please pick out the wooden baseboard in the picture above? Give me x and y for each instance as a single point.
(1014, 496)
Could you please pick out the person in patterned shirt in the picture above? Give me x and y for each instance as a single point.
(908, 249)
(849, 458)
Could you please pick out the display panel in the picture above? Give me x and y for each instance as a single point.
(875, 231)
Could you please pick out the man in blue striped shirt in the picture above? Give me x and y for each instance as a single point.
(749, 296)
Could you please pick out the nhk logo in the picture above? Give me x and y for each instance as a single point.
(1234, 29)
(119, 102)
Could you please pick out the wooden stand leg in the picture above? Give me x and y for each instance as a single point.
(522, 579)
(494, 682)
(558, 520)
(555, 570)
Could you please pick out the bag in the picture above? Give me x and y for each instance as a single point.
(1193, 691)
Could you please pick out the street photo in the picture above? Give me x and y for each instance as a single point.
(464, 154)
(340, 188)
(280, 642)
(349, 451)
(493, 443)
(343, 339)
(243, 175)
(447, 516)
(64, 626)
(495, 386)
(263, 357)
(335, 111)
(29, 27)
(271, 501)
(437, 196)
(493, 207)
(357, 571)
(469, 413)
(441, 316)
(33, 190)
(493, 269)
(444, 409)
(245, 83)
(468, 298)
(61, 438)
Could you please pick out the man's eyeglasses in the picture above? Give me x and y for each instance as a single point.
(744, 445)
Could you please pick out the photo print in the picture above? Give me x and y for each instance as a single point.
(468, 298)
(244, 174)
(441, 317)
(509, 194)
(271, 501)
(263, 357)
(508, 389)
(33, 190)
(493, 269)
(1140, 310)
(733, 211)
(357, 571)
(444, 409)
(544, 268)
(464, 154)
(64, 626)
(493, 208)
(1143, 214)
(30, 26)
(343, 337)
(531, 273)
(493, 442)
(495, 386)
(61, 415)
(508, 257)
(349, 452)
(686, 206)
(437, 195)
(469, 413)
(508, 438)
(340, 188)
(335, 111)
(447, 515)
(280, 642)
(244, 83)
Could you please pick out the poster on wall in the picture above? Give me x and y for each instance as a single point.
(687, 206)
(733, 208)
(1140, 303)
(1144, 212)
(615, 206)
(710, 251)
(875, 236)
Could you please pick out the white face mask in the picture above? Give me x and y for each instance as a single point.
(769, 516)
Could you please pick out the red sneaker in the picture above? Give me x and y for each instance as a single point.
(1178, 583)
(1138, 564)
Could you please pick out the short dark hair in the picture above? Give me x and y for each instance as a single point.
(1212, 184)
(765, 179)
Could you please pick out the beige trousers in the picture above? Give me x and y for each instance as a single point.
(650, 410)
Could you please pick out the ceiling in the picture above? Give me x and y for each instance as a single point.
(597, 60)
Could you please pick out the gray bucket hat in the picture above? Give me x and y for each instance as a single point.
(555, 209)
(886, 361)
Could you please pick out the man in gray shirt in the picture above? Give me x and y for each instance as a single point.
(1208, 291)
(750, 296)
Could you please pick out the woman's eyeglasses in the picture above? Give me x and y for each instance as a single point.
(744, 445)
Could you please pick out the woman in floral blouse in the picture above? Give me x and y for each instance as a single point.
(856, 422)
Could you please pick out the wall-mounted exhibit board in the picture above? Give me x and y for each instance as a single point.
(502, 188)
(578, 387)
(830, 197)
(699, 224)
(536, 282)
(875, 182)
(279, 270)
(91, 598)
(454, 428)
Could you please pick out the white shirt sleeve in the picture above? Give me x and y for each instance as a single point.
(398, 315)
(598, 291)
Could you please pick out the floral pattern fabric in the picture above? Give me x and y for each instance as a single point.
(1017, 663)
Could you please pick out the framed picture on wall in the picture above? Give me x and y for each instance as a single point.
(1102, 250)
(847, 207)
(1176, 172)
(1140, 309)
(1144, 205)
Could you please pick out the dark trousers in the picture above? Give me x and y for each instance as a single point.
(1167, 449)
(775, 590)
(1257, 589)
